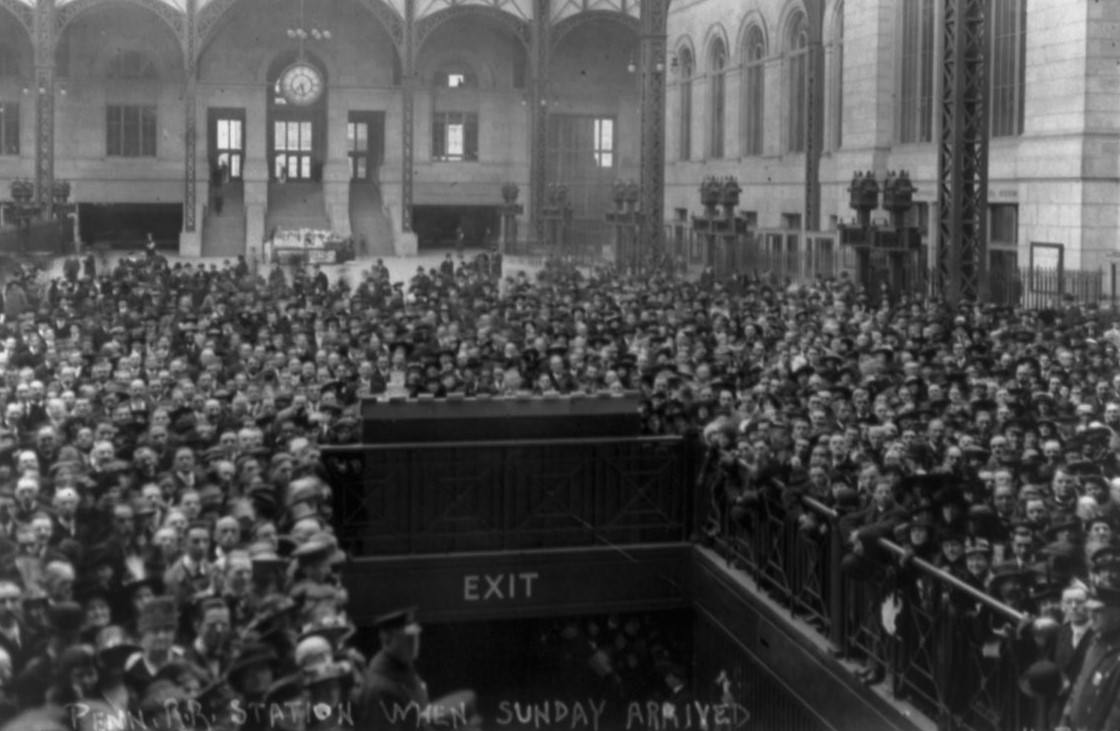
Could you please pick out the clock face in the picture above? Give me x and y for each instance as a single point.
(301, 84)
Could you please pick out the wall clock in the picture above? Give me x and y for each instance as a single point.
(301, 84)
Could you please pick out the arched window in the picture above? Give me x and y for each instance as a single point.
(754, 52)
(1008, 54)
(131, 66)
(798, 82)
(717, 64)
(835, 135)
(915, 95)
(687, 68)
(9, 62)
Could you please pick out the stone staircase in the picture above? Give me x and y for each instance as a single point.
(295, 205)
(368, 221)
(223, 234)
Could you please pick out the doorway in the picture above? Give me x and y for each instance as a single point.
(437, 226)
(226, 130)
(294, 150)
(1003, 276)
(365, 143)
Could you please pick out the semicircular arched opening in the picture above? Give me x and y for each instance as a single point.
(487, 47)
(594, 118)
(17, 108)
(240, 37)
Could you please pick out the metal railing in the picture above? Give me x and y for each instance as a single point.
(933, 635)
(579, 252)
(785, 255)
(419, 498)
(771, 253)
(1041, 288)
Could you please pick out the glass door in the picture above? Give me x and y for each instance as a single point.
(357, 143)
(227, 144)
(293, 147)
(365, 140)
(230, 149)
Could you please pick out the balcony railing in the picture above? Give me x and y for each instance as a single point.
(934, 635)
(401, 499)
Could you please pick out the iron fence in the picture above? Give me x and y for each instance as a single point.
(1042, 288)
(580, 252)
(947, 648)
(784, 255)
(403, 499)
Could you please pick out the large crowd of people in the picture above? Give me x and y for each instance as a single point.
(165, 522)
(165, 537)
(984, 440)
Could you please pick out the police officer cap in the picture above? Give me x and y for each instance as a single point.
(403, 620)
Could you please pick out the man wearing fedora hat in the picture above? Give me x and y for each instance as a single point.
(393, 694)
(1093, 703)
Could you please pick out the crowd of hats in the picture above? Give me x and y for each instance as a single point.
(164, 521)
(997, 430)
(151, 405)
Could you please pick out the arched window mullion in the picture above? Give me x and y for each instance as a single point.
(686, 70)
(835, 138)
(1007, 75)
(916, 102)
(798, 83)
(754, 55)
(718, 95)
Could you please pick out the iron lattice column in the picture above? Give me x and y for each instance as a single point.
(46, 36)
(190, 112)
(652, 52)
(538, 113)
(814, 114)
(962, 257)
(408, 111)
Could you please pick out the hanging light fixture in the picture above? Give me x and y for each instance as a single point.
(301, 32)
(302, 83)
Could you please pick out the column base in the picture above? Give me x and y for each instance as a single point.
(190, 243)
(254, 226)
(405, 243)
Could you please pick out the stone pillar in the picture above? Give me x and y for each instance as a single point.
(408, 112)
(46, 42)
(814, 117)
(255, 173)
(336, 168)
(539, 64)
(652, 52)
(190, 239)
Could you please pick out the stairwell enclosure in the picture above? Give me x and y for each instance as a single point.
(369, 222)
(223, 232)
